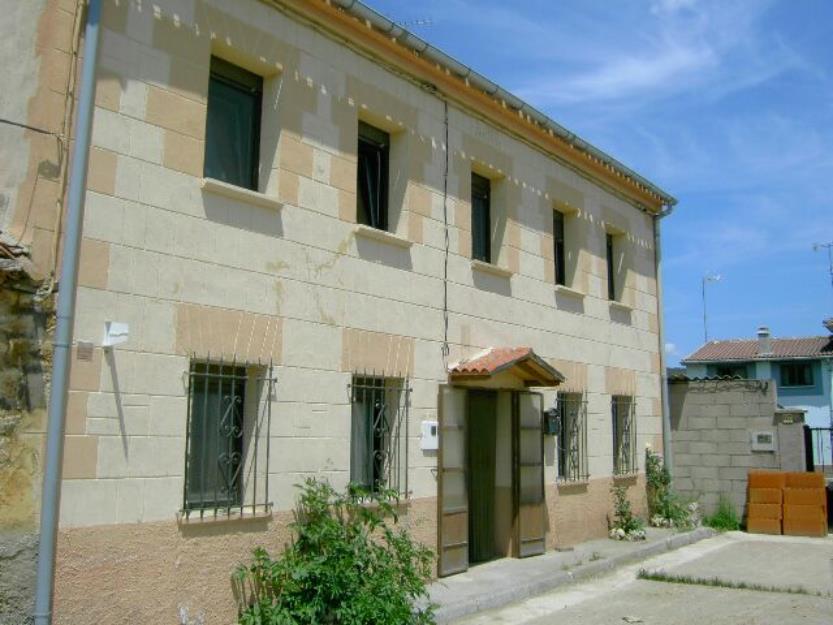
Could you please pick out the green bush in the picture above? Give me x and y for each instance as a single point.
(666, 507)
(725, 519)
(625, 526)
(348, 564)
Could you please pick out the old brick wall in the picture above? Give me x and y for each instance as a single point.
(712, 423)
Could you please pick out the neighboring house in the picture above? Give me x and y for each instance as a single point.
(802, 368)
(339, 254)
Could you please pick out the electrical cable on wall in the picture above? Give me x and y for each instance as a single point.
(445, 348)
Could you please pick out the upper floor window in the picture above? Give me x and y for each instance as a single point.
(372, 183)
(611, 266)
(559, 248)
(797, 374)
(232, 127)
(481, 227)
(731, 371)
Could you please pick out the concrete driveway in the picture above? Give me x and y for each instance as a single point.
(776, 562)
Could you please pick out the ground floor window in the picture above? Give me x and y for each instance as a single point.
(379, 433)
(227, 447)
(624, 434)
(572, 437)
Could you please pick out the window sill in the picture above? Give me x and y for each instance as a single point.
(479, 265)
(620, 306)
(381, 235)
(221, 515)
(560, 289)
(217, 187)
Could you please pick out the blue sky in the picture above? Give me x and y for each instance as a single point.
(726, 105)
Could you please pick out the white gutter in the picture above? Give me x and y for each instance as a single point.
(51, 495)
(667, 447)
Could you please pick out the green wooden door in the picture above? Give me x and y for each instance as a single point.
(482, 432)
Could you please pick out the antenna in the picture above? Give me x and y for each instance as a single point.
(829, 248)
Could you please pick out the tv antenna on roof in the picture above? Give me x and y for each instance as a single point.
(829, 247)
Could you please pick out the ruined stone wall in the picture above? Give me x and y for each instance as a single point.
(25, 351)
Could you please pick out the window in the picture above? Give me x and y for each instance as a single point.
(572, 437)
(731, 371)
(227, 448)
(611, 269)
(481, 226)
(379, 437)
(624, 435)
(232, 127)
(797, 374)
(558, 247)
(372, 183)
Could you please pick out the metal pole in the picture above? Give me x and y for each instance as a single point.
(705, 323)
(51, 496)
(667, 448)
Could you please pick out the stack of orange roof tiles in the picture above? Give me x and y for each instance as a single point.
(790, 503)
(805, 505)
(766, 496)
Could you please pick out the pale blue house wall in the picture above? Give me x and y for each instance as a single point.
(815, 399)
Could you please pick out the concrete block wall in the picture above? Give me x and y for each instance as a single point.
(712, 423)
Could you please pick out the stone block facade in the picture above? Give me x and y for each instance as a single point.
(283, 276)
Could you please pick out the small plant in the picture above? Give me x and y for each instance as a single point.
(667, 508)
(716, 582)
(625, 526)
(348, 565)
(595, 556)
(725, 519)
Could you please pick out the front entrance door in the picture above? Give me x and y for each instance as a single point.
(481, 445)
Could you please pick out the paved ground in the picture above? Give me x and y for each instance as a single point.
(620, 597)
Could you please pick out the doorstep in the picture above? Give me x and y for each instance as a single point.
(500, 582)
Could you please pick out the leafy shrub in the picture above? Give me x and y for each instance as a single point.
(348, 564)
(625, 526)
(666, 507)
(725, 519)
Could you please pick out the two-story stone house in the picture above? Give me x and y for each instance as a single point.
(339, 253)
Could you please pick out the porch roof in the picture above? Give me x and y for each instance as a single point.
(522, 362)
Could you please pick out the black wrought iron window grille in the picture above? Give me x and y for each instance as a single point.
(572, 438)
(623, 412)
(227, 446)
(379, 432)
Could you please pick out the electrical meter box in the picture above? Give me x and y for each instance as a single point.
(430, 436)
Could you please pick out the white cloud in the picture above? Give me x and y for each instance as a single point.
(670, 349)
(671, 6)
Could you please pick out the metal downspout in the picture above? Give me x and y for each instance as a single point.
(667, 450)
(51, 496)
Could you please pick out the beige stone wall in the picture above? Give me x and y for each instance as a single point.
(198, 273)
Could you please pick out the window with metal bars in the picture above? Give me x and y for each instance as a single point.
(572, 438)
(379, 433)
(372, 183)
(232, 125)
(623, 411)
(227, 445)
(481, 221)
